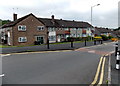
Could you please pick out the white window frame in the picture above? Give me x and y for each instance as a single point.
(22, 39)
(66, 29)
(40, 28)
(21, 29)
(51, 29)
(39, 36)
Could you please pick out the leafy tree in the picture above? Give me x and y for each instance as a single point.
(5, 21)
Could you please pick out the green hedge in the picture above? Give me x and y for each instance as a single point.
(104, 37)
(78, 38)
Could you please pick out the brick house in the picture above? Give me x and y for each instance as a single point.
(104, 31)
(30, 29)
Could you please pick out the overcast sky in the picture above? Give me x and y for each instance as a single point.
(104, 15)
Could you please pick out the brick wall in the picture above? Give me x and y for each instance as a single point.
(31, 31)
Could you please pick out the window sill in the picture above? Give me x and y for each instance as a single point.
(22, 30)
(21, 42)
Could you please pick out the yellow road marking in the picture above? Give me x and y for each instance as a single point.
(38, 52)
(97, 73)
(102, 72)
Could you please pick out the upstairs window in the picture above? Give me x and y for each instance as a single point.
(66, 28)
(51, 29)
(21, 28)
(22, 39)
(40, 28)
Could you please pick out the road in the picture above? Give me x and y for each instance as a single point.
(55, 67)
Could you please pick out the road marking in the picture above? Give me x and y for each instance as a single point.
(92, 51)
(109, 68)
(3, 55)
(109, 71)
(97, 73)
(35, 52)
(102, 72)
(2, 75)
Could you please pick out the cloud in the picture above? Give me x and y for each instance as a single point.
(65, 9)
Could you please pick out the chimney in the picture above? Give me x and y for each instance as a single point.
(53, 20)
(14, 17)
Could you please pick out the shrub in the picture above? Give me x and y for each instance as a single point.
(114, 39)
(110, 37)
(104, 37)
(69, 39)
(97, 38)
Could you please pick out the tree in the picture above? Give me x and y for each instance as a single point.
(5, 21)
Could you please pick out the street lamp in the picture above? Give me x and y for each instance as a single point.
(91, 14)
(92, 10)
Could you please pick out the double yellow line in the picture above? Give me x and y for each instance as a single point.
(101, 66)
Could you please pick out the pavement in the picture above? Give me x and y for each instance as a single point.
(53, 47)
(115, 74)
(58, 67)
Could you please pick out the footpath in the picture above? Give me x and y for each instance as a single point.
(52, 47)
(115, 74)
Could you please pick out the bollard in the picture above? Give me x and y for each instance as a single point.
(117, 61)
(48, 47)
(71, 43)
(94, 42)
(101, 41)
(85, 43)
(116, 49)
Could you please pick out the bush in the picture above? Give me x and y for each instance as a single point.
(74, 39)
(97, 38)
(104, 37)
(78, 39)
(38, 42)
(110, 37)
(89, 38)
(69, 39)
(114, 39)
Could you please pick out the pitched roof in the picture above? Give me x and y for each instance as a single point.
(15, 22)
(64, 23)
(48, 23)
(117, 33)
(103, 30)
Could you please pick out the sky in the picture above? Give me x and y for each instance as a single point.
(104, 15)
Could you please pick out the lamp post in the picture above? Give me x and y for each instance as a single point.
(92, 11)
(91, 15)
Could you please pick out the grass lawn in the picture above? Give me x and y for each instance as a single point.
(6, 46)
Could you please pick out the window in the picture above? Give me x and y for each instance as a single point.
(73, 28)
(40, 39)
(66, 28)
(79, 28)
(21, 28)
(52, 38)
(51, 29)
(40, 28)
(22, 39)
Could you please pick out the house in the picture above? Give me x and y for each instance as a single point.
(117, 33)
(103, 31)
(0, 22)
(29, 29)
